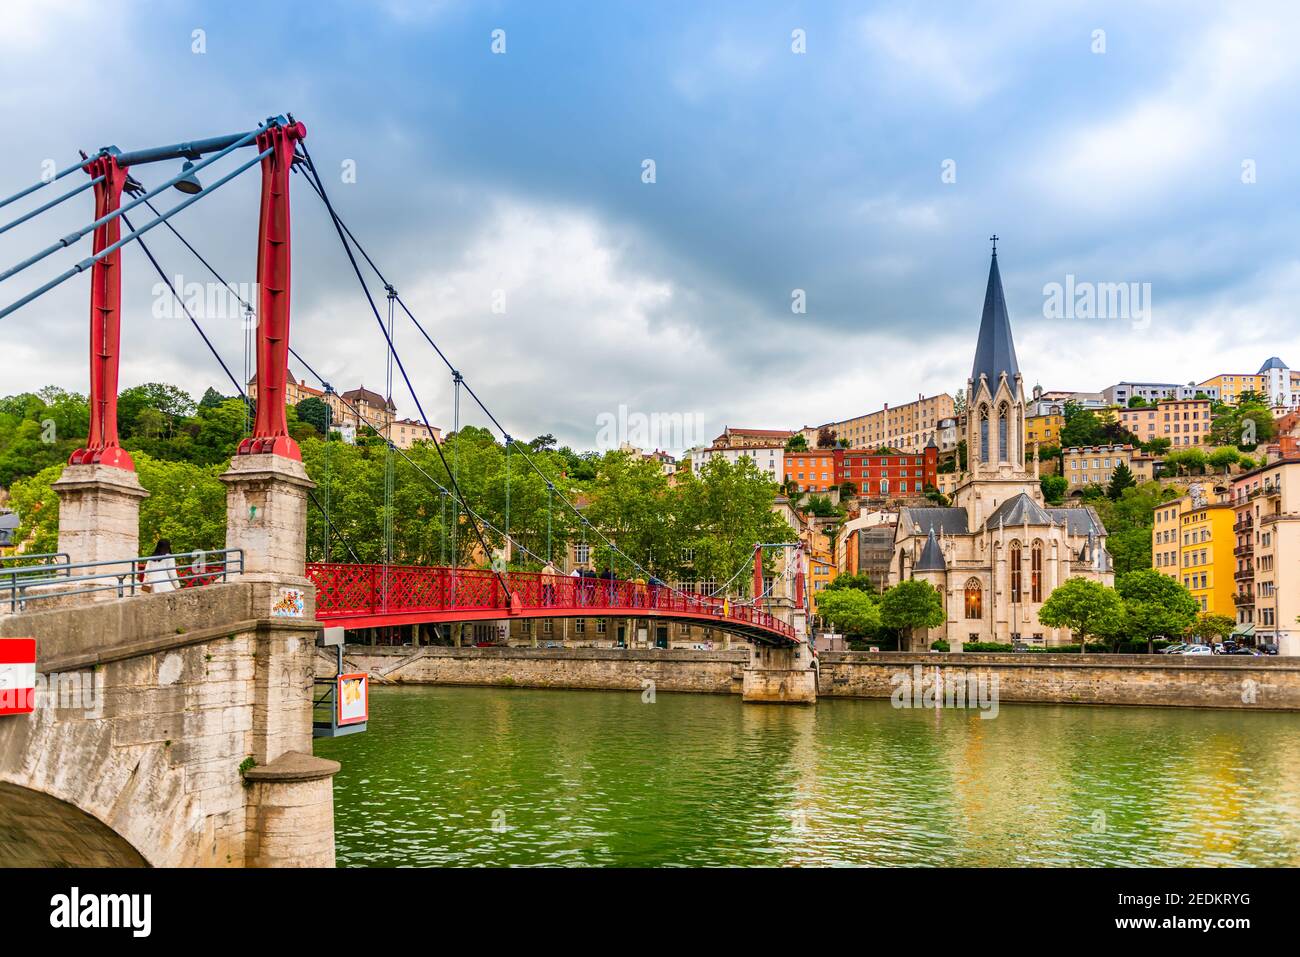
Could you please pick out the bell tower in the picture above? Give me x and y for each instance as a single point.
(995, 412)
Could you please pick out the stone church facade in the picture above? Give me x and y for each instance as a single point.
(998, 551)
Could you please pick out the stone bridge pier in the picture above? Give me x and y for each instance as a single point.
(780, 676)
(174, 729)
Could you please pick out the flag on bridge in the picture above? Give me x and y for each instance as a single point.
(17, 675)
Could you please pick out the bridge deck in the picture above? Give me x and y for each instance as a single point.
(368, 596)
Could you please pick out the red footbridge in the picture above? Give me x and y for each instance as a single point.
(372, 596)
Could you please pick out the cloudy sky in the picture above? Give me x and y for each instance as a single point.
(867, 172)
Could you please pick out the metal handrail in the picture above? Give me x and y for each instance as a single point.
(406, 588)
(125, 576)
(27, 556)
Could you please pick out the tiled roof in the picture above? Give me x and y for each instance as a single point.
(1019, 510)
(949, 521)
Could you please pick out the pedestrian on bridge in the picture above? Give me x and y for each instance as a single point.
(160, 569)
(550, 574)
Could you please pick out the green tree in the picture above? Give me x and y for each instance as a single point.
(912, 604)
(722, 513)
(1121, 477)
(797, 443)
(211, 399)
(1189, 461)
(1128, 522)
(859, 581)
(1224, 458)
(1209, 627)
(820, 506)
(1155, 605)
(849, 610)
(316, 413)
(1054, 488)
(1086, 607)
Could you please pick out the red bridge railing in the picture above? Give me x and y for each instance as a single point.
(346, 591)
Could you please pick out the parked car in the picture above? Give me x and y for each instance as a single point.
(1226, 647)
(1197, 650)
(1268, 647)
(1244, 651)
(1175, 649)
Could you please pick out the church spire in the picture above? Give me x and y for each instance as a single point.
(995, 352)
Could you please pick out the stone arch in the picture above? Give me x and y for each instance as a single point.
(40, 830)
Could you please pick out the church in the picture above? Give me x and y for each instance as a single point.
(999, 550)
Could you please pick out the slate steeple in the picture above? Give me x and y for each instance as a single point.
(931, 559)
(995, 352)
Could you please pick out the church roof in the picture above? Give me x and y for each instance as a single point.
(1079, 521)
(931, 559)
(995, 352)
(1273, 363)
(1019, 510)
(949, 521)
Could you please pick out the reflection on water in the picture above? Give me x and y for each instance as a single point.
(479, 776)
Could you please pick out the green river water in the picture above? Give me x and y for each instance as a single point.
(482, 776)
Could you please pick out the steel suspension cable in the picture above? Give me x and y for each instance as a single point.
(507, 498)
(400, 365)
(329, 390)
(51, 204)
(319, 189)
(122, 211)
(42, 183)
(109, 250)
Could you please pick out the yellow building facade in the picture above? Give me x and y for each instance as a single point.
(1192, 541)
(821, 572)
(1232, 385)
(1043, 429)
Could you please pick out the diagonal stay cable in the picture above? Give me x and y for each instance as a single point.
(478, 532)
(342, 401)
(319, 188)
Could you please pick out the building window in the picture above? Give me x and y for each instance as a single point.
(1003, 415)
(1015, 573)
(601, 625)
(984, 433)
(974, 599)
(1036, 573)
(579, 626)
(582, 553)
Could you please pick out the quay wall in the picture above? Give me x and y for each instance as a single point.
(1146, 680)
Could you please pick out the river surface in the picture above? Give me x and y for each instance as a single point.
(483, 776)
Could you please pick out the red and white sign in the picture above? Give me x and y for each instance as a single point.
(17, 675)
(353, 696)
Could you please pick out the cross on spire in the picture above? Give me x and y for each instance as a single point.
(994, 240)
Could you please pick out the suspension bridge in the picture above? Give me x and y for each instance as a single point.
(357, 595)
(188, 739)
